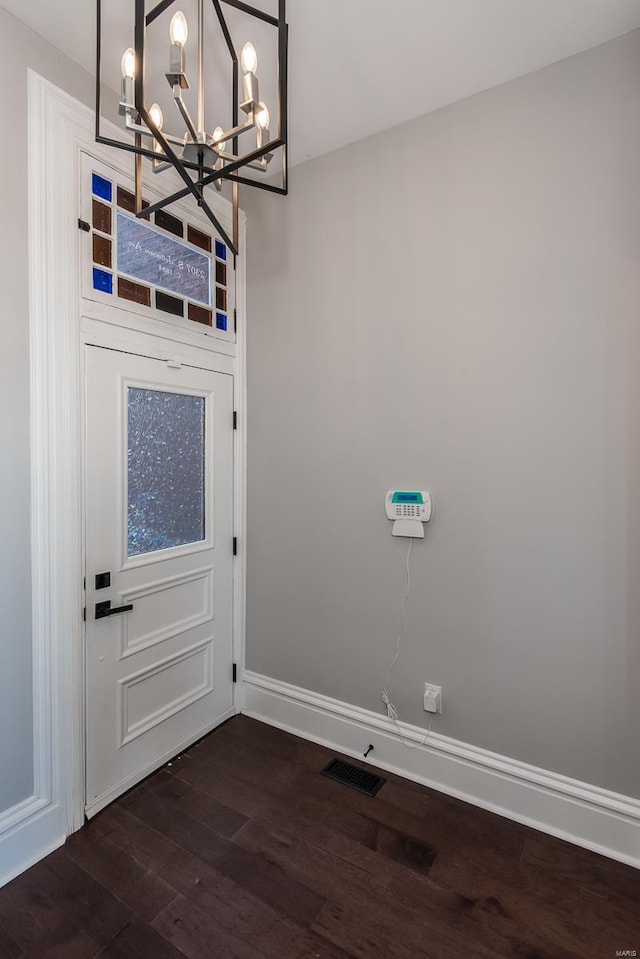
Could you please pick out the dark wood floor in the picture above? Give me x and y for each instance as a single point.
(241, 850)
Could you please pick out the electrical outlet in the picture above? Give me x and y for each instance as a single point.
(432, 698)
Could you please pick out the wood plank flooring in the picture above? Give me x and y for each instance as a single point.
(240, 849)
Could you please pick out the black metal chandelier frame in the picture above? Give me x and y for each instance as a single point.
(205, 174)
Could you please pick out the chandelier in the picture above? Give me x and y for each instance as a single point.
(201, 157)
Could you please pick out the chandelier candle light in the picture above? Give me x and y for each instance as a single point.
(200, 158)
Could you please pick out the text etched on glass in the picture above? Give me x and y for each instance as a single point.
(150, 256)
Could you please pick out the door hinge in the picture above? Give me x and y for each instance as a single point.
(235, 320)
(235, 673)
(235, 545)
(84, 614)
(84, 226)
(235, 420)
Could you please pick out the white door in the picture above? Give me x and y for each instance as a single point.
(159, 548)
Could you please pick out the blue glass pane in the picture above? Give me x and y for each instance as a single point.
(102, 281)
(221, 321)
(221, 250)
(101, 187)
(166, 474)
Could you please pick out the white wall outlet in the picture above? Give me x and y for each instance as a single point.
(432, 698)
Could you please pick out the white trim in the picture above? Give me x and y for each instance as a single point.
(240, 468)
(15, 815)
(600, 820)
(28, 843)
(39, 823)
(59, 128)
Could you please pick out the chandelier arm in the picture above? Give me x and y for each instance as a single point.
(236, 218)
(160, 205)
(225, 30)
(129, 147)
(158, 10)
(136, 128)
(186, 116)
(98, 66)
(235, 75)
(269, 187)
(242, 161)
(285, 172)
(235, 86)
(140, 35)
(200, 99)
(253, 11)
(283, 84)
(233, 246)
(249, 124)
(138, 177)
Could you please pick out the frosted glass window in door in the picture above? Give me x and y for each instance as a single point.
(166, 470)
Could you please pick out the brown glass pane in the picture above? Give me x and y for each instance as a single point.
(221, 273)
(200, 315)
(221, 299)
(134, 291)
(128, 201)
(101, 250)
(198, 238)
(169, 223)
(101, 217)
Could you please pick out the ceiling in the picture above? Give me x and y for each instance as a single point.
(361, 66)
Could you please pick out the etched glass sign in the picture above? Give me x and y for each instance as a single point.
(147, 254)
(166, 471)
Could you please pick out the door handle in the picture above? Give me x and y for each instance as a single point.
(104, 609)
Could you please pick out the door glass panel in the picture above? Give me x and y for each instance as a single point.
(166, 470)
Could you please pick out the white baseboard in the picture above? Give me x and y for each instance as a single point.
(589, 816)
(29, 831)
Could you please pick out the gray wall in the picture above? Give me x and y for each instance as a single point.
(20, 49)
(455, 305)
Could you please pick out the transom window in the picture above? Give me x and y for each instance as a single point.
(168, 263)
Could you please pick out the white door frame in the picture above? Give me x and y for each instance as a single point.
(59, 129)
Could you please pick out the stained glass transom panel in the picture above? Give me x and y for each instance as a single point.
(143, 263)
(166, 470)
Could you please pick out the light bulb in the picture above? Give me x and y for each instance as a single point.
(217, 133)
(249, 58)
(128, 63)
(155, 114)
(262, 116)
(178, 29)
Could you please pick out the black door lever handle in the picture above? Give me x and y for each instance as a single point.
(104, 609)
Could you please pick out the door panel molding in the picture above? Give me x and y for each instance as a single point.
(129, 729)
(206, 575)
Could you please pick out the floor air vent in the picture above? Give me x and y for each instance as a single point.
(360, 779)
